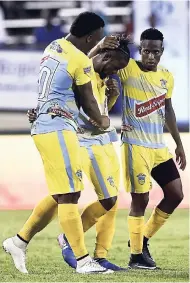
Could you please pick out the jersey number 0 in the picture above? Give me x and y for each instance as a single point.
(46, 75)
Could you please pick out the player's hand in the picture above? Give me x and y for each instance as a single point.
(105, 123)
(110, 42)
(112, 88)
(32, 115)
(180, 157)
(93, 123)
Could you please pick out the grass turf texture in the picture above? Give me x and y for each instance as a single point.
(169, 248)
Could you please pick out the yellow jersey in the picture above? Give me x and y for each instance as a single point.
(143, 114)
(62, 65)
(90, 135)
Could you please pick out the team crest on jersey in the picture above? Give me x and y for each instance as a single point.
(163, 83)
(79, 174)
(111, 181)
(56, 47)
(87, 70)
(141, 178)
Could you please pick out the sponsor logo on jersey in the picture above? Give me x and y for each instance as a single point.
(145, 108)
(79, 174)
(141, 178)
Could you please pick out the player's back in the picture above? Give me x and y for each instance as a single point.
(144, 95)
(62, 65)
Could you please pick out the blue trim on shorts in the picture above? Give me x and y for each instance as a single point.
(66, 159)
(130, 162)
(98, 173)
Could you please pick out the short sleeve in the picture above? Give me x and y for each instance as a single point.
(125, 72)
(84, 71)
(170, 86)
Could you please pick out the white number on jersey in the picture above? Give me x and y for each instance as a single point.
(46, 75)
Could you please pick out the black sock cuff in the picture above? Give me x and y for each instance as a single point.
(22, 239)
(145, 240)
(82, 257)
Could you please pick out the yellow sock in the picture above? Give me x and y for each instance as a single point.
(71, 224)
(105, 229)
(42, 215)
(155, 222)
(136, 229)
(91, 214)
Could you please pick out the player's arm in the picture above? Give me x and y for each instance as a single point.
(171, 125)
(110, 42)
(90, 106)
(83, 76)
(112, 92)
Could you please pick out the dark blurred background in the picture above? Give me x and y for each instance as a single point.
(27, 27)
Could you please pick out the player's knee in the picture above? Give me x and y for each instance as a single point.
(177, 196)
(139, 203)
(174, 192)
(68, 198)
(108, 203)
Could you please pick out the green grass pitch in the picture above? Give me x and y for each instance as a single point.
(169, 248)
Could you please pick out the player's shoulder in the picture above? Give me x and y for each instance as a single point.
(165, 71)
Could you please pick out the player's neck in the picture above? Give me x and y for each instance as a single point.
(77, 42)
(144, 68)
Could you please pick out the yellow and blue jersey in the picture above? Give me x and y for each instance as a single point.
(144, 95)
(91, 135)
(62, 65)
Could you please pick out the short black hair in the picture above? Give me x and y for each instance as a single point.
(152, 34)
(123, 47)
(85, 23)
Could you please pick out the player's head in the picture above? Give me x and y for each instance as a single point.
(88, 27)
(110, 61)
(151, 48)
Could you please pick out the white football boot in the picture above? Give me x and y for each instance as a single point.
(18, 253)
(88, 265)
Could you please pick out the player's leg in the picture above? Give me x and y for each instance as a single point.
(167, 176)
(43, 213)
(63, 174)
(96, 167)
(136, 162)
(105, 226)
(68, 213)
(100, 173)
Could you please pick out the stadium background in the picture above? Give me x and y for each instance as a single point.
(26, 27)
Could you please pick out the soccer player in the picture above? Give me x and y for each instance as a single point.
(99, 159)
(64, 63)
(147, 106)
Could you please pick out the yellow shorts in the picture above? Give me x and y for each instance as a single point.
(137, 164)
(100, 163)
(60, 153)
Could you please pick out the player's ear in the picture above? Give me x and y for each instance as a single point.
(162, 50)
(89, 38)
